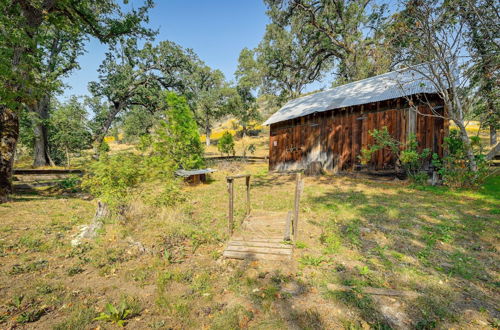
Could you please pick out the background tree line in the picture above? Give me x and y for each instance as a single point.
(306, 42)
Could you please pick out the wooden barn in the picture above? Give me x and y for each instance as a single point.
(331, 127)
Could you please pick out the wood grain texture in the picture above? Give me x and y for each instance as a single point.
(340, 135)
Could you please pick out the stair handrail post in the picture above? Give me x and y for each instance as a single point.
(299, 184)
(231, 204)
(247, 182)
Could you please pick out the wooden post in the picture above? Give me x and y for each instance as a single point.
(298, 184)
(288, 224)
(247, 181)
(231, 205)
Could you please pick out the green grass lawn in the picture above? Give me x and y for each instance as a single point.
(162, 267)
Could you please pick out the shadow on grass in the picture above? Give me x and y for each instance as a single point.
(26, 195)
(446, 234)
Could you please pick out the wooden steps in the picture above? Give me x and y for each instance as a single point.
(258, 249)
(261, 237)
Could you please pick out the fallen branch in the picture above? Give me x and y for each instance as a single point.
(373, 291)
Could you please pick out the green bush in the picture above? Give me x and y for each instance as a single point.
(226, 144)
(71, 183)
(454, 167)
(104, 147)
(407, 153)
(113, 178)
(117, 179)
(178, 138)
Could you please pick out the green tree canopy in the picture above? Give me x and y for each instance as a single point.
(69, 128)
(177, 137)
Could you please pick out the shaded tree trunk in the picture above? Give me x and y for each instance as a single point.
(68, 164)
(208, 131)
(493, 135)
(468, 148)
(9, 134)
(101, 134)
(41, 146)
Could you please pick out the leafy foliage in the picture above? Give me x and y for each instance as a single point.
(113, 178)
(69, 129)
(116, 179)
(115, 315)
(177, 137)
(454, 167)
(226, 144)
(407, 154)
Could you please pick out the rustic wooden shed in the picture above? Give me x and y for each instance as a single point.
(332, 126)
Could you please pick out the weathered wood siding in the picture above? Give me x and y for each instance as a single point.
(337, 137)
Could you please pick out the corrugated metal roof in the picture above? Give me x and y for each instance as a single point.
(386, 86)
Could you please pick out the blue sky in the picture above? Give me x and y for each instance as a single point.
(216, 30)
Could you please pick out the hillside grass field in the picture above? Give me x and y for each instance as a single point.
(161, 267)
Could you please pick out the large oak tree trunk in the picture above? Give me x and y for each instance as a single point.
(41, 148)
(493, 135)
(9, 133)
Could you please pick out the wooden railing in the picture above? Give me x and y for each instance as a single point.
(230, 188)
(299, 187)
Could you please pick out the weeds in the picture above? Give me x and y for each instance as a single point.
(233, 318)
(331, 241)
(31, 267)
(119, 315)
(31, 243)
(309, 260)
(31, 315)
(352, 232)
(72, 271)
(79, 319)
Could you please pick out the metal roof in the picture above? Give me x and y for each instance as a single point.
(386, 86)
(186, 173)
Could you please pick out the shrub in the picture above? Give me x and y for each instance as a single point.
(407, 153)
(226, 144)
(178, 138)
(104, 147)
(454, 167)
(117, 179)
(113, 178)
(71, 183)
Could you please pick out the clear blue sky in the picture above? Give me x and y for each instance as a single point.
(216, 30)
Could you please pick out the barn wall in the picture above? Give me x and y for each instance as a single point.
(335, 138)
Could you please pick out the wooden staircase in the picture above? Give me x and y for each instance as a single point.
(262, 235)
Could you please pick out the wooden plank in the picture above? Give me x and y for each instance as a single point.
(277, 245)
(257, 239)
(46, 171)
(238, 176)
(258, 249)
(381, 123)
(256, 256)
